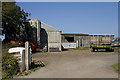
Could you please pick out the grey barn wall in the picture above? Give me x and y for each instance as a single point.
(48, 37)
(54, 41)
(53, 38)
(84, 40)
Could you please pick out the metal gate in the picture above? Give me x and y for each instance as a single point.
(69, 45)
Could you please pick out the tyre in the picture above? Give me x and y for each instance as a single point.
(93, 50)
(107, 50)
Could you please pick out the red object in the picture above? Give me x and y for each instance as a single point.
(13, 42)
(22, 43)
(39, 51)
(32, 44)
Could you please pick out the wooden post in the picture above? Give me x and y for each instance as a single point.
(30, 55)
(23, 61)
(27, 55)
(82, 43)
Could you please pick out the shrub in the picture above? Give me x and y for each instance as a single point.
(9, 66)
(7, 46)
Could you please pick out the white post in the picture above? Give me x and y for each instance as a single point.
(77, 43)
(80, 43)
(27, 55)
(38, 32)
(23, 61)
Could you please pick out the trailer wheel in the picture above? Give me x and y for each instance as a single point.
(97, 50)
(93, 50)
(111, 50)
(107, 50)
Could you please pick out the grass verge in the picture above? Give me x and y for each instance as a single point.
(116, 67)
(82, 48)
(33, 68)
(116, 49)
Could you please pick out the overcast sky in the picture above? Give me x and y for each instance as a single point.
(76, 17)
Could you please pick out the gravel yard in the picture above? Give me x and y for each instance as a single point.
(75, 64)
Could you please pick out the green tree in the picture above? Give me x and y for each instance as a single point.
(14, 21)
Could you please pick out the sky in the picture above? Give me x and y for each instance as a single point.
(63, 0)
(76, 17)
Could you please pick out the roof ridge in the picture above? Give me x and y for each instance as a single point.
(50, 26)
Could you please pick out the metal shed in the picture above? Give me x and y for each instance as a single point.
(50, 38)
(47, 37)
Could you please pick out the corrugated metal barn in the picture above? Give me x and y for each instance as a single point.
(50, 38)
(47, 36)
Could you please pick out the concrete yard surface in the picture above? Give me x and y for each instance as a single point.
(75, 64)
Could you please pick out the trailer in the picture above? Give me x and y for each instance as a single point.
(101, 42)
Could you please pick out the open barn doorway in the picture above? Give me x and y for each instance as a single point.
(69, 39)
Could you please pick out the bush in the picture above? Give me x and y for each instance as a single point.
(7, 46)
(9, 66)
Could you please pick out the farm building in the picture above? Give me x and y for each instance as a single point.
(48, 38)
(74, 40)
(35, 24)
(51, 39)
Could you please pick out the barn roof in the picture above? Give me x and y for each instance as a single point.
(48, 27)
(80, 34)
(75, 34)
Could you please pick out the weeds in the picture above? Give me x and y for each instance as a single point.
(116, 67)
